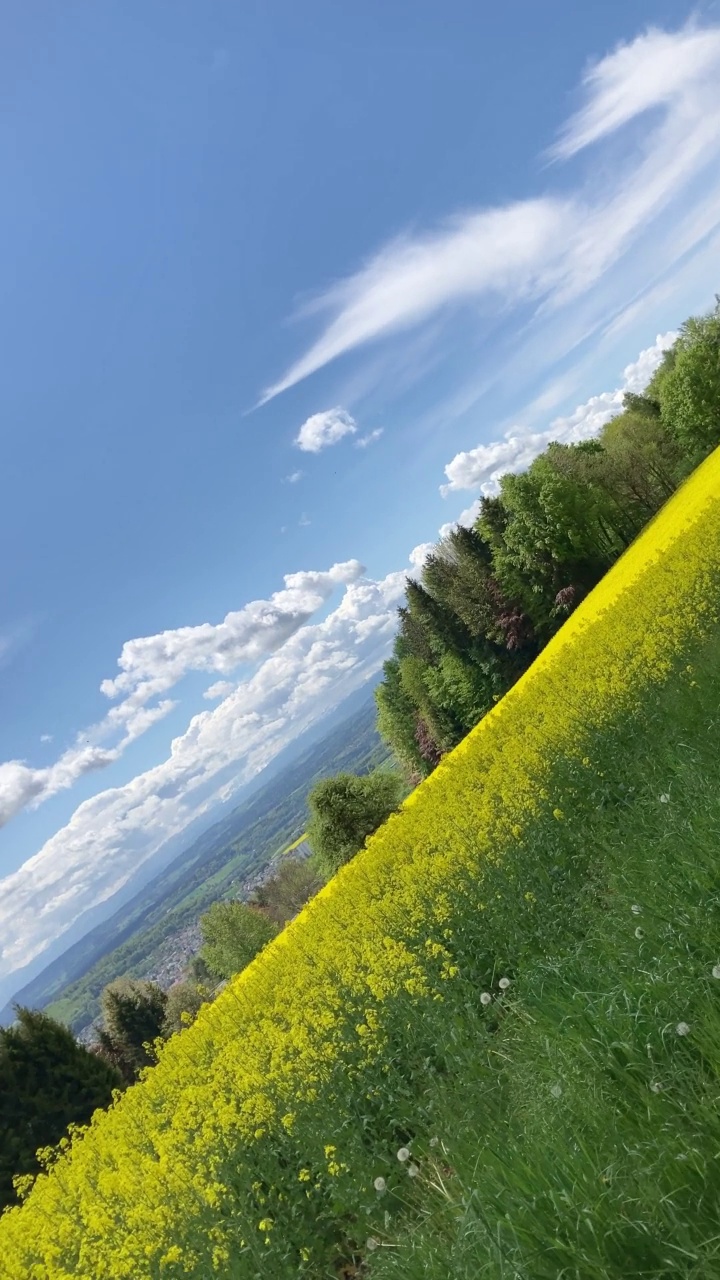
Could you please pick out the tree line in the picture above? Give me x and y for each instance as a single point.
(488, 599)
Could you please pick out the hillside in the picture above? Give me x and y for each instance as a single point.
(490, 1045)
(215, 865)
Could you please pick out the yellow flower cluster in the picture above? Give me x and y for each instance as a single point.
(155, 1186)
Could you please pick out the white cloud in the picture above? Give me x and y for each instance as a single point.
(549, 250)
(220, 689)
(110, 835)
(363, 441)
(419, 554)
(482, 467)
(151, 665)
(304, 521)
(324, 429)
(654, 70)
(46, 737)
(497, 250)
(294, 477)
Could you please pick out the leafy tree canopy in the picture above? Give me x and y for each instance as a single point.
(233, 933)
(346, 809)
(282, 896)
(47, 1082)
(133, 1014)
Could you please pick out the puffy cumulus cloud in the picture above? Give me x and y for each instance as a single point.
(419, 554)
(294, 477)
(546, 250)
(466, 518)
(220, 689)
(482, 467)
(21, 785)
(324, 429)
(151, 665)
(112, 834)
(363, 441)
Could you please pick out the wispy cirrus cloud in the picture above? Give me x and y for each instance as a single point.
(549, 250)
(363, 441)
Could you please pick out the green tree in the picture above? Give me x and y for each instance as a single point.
(233, 934)
(184, 1002)
(689, 387)
(133, 1013)
(400, 726)
(47, 1082)
(557, 533)
(284, 894)
(346, 809)
(198, 973)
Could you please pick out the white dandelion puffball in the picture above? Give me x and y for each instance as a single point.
(413, 1170)
(434, 1142)
(372, 1243)
(656, 1086)
(716, 971)
(380, 1184)
(486, 998)
(556, 1091)
(504, 983)
(682, 1029)
(403, 1155)
(665, 797)
(639, 933)
(636, 909)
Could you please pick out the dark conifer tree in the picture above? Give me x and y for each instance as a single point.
(47, 1081)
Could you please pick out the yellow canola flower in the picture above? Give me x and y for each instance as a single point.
(159, 1171)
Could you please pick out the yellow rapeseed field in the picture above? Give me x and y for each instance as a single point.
(170, 1181)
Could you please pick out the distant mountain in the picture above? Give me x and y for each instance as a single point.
(206, 868)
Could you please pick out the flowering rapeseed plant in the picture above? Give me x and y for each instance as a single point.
(200, 1168)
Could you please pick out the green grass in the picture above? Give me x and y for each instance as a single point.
(577, 1131)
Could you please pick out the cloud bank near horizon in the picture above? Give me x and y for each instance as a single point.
(297, 680)
(481, 467)
(109, 836)
(151, 665)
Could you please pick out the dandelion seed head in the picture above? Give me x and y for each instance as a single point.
(371, 1243)
(413, 1170)
(657, 1086)
(380, 1184)
(403, 1154)
(504, 983)
(716, 971)
(434, 1142)
(682, 1029)
(486, 998)
(556, 1090)
(636, 909)
(665, 797)
(639, 933)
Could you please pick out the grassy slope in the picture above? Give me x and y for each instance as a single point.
(567, 1128)
(576, 1119)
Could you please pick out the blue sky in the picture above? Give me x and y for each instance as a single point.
(284, 287)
